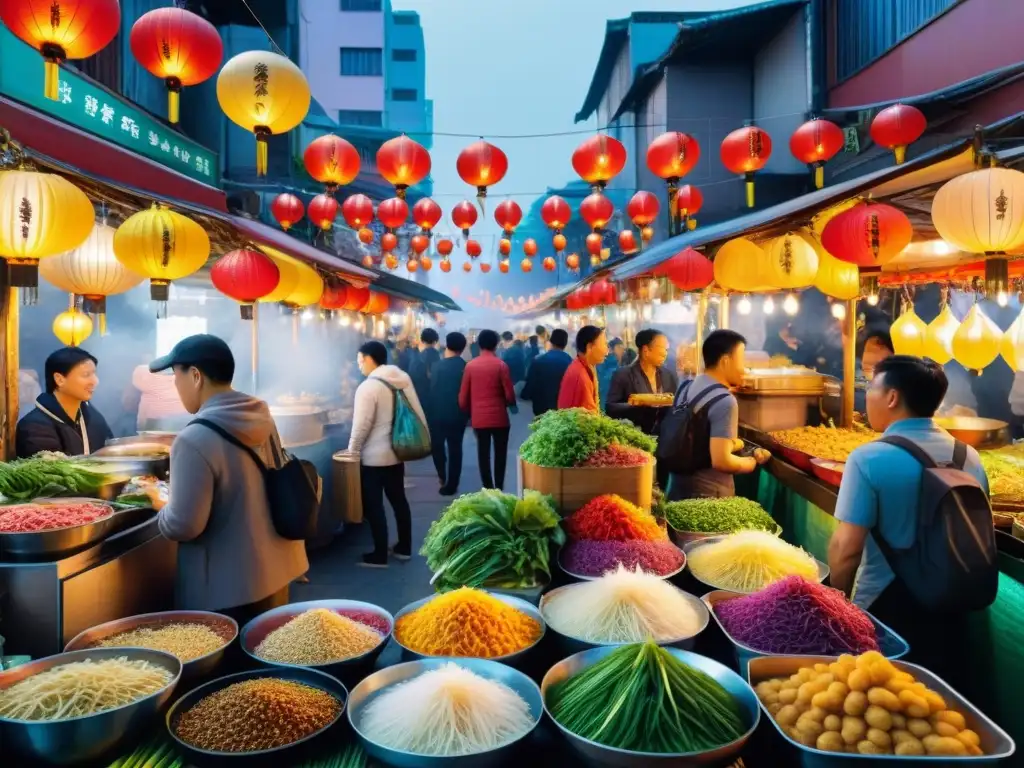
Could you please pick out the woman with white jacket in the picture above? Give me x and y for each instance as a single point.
(381, 472)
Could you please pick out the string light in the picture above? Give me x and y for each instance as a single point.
(873, 299)
(1002, 299)
(838, 311)
(769, 305)
(307, 315)
(791, 304)
(744, 306)
(345, 321)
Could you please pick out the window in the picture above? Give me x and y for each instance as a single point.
(403, 54)
(360, 117)
(362, 62)
(360, 5)
(404, 94)
(406, 19)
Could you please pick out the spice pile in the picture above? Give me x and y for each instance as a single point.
(187, 641)
(318, 636)
(466, 622)
(25, 479)
(612, 518)
(256, 715)
(34, 518)
(796, 616)
(726, 515)
(369, 618)
(749, 561)
(567, 438)
(593, 558)
(616, 455)
(865, 705)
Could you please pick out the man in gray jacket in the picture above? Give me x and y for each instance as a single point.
(230, 558)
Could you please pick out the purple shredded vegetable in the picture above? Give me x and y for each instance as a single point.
(796, 616)
(594, 558)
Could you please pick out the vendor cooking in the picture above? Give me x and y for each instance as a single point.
(63, 420)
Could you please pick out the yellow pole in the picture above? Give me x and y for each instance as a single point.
(702, 311)
(723, 311)
(849, 363)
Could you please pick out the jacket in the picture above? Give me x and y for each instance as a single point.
(445, 383)
(228, 551)
(544, 380)
(605, 371)
(419, 371)
(515, 359)
(487, 392)
(47, 427)
(631, 380)
(374, 414)
(579, 387)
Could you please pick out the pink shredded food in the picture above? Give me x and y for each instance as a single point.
(616, 455)
(368, 618)
(32, 518)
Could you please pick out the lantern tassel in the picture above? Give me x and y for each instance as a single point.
(819, 176)
(173, 107)
(691, 223)
(750, 190)
(262, 149)
(51, 80)
(103, 323)
(901, 153)
(480, 197)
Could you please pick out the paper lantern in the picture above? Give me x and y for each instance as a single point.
(62, 30)
(308, 288)
(505, 246)
(388, 241)
(357, 210)
(403, 163)
(908, 334)
(473, 249)
(426, 263)
(162, 245)
(572, 261)
(480, 165)
(559, 242)
(445, 247)
(446, 265)
(603, 292)
(246, 276)
(745, 151)
(627, 241)
(815, 143)
(739, 265)
(323, 210)
(365, 236)
(688, 270)
(834, 278)
(464, 216)
(356, 298)
(642, 208)
(393, 212)
(594, 243)
(599, 159)
(549, 264)
(508, 214)
(72, 327)
(178, 46)
(332, 161)
(503, 266)
(976, 342)
(287, 209)
(689, 200)
(419, 243)
(485, 267)
(896, 127)
(288, 278)
(792, 262)
(822, 218)
(467, 266)
(334, 296)
(530, 247)
(526, 265)
(1011, 348)
(426, 214)
(264, 93)
(597, 210)
(672, 155)
(938, 342)
(868, 235)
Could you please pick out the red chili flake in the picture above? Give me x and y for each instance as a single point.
(612, 518)
(368, 618)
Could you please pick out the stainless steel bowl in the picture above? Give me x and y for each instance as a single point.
(256, 630)
(191, 671)
(59, 542)
(982, 434)
(621, 758)
(378, 682)
(572, 644)
(83, 739)
(823, 569)
(581, 577)
(682, 538)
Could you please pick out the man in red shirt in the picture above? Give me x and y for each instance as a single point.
(486, 395)
(579, 385)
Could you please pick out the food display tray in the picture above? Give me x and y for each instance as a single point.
(828, 471)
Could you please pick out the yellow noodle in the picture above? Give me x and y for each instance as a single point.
(748, 561)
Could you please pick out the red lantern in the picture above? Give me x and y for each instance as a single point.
(559, 242)
(464, 216)
(179, 47)
(503, 266)
(426, 263)
(643, 208)
(377, 303)
(480, 165)
(419, 243)
(604, 292)
(473, 249)
(868, 235)
(485, 267)
(365, 236)
(426, 214)
(689, 201)
(627, 241)
(585, 297)
(412, 265)
(672, 155)
(332, 161)
(530, 246)
(445, 247)
(357, 210)
(287, 209)
(597, 210)
(392, 212)
(403, 163)
(446, 266)
(323, 209)
(745, 151)
(896, 127)
(688, 270)
(467, 266)
(334, 297)
(555, 212)
(391, 261)
(368, 260)
(388, 242)
(599, 159)
(508, 214)
(815, 143)
(526, 265)
(594, 244)
(356, 298)
(550, 265)
(572, 261)
(245, 276)
(504, 246)
(69, 29)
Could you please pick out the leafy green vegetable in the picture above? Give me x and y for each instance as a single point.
(26, 479)
(725, 515)
(493, 539)
(566, 438)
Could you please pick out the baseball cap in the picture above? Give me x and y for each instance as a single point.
(210, 354)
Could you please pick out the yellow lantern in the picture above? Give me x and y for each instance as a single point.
(41, 215)
(819, 220)
(908, 334)
(938, 343)
(976, 341)
(264, 93)
(1012, 346)
(161, 245)
(289, 276)
(792, 262)
(72, 327)
(835, 278)
(740, 266)
(309, 288)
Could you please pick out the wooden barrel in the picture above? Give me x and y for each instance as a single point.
(572, 487)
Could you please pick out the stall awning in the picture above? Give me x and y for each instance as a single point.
(410, 290)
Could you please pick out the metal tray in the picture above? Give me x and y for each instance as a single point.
(61, 541)
(891, 645)
(996, 743)
(823, 569)
(682, 538)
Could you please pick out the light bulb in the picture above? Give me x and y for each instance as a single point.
(1002, 299)
(395, 318)
(769, 305)
(873, 299)
(791, 304)
(307, 315)
(345, 321)
(743, 306)
(839, 311)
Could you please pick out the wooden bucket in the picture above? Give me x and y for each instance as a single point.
(572, 487)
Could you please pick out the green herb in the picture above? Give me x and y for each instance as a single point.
(566, 438)
(642, 698)
(726, 515)
(352, 756)
(26, 479)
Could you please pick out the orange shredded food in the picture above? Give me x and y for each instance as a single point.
(466, 622)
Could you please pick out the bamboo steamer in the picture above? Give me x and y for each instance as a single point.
(572, 487)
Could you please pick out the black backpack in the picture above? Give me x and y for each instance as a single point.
(293, 490)
(951, 566)
(684, 437)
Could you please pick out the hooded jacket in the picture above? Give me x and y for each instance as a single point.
(47, 427)
(374, 413)
(229, 553)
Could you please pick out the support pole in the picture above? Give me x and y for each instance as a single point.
(849, 363)
(255, 348)
(723, 311)
(702, 312)
(9, 396)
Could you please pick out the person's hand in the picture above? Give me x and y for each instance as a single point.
(738, 445)
(761, 455)
(157, 499)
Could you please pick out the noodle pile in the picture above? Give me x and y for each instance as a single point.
(318, 636)
(186, 641)
(82, 688)
(622, 607)
(748, 561)
(447, 712)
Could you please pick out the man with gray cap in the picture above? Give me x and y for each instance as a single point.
(230, 557)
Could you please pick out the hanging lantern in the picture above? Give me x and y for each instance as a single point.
(377, 304)
(308, 289)
(485, 267)
(264, 93)
(464, 216)
(594, 244)
(412, 264)
(356, 298)
(161, 245)
(481, 165)
(739, 265)
(323, 210)
(572, 301)
(358, 211)
(288, 279)
(473, 249)
(445, 247)
(671, 156)
(403, 163)
(599, 159)
(446, 265)
(526, 265)
(246, 276)
(688, 270)
(559, 242)
(745, 151)
(505, 246)
(896, 127)
(1011, 348)
(508, 214)
(179, 47)
(426, 263)
(821, 219)
(503, 266)
(332, 161)
(41, 215)
(908, 334)
(642, 208)
(792, 262)
(556, 214)
(549, 264)
(627, 242)
(72, 327)
(287, 209)
(834, 278)
(976, 342)
(938, 342)
(597, 210)
(603, 292)
(334, 297)
(393, 212)
(426, 214)
(365, 235)
(815, 143)
(388, 242)
(62, 30)
(572, 261)
(689, 201)
(467, 266)
(868, 235)
(419, 243)
(530, 247)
